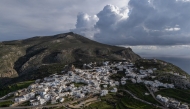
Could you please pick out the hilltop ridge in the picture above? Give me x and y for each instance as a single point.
(20, 58)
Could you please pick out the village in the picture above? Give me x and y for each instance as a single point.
(79, 83)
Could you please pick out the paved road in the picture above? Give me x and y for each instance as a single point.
(48, 106)
(155, 97)
(143, 100)
(9, 94)
(81, 99)
(6, 100)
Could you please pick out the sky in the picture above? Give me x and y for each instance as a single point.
(162, 25)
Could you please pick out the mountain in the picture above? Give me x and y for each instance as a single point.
(137, 85)
(31, 58)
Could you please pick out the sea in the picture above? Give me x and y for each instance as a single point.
(183, 63)
(177, 55)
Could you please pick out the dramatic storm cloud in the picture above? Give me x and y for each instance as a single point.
(85, 25)
(126, 22)
(27, 18)
(144, 22)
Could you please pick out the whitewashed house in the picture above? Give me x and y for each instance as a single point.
(105, 86)
(133, 80)
(42, 101)
(120, 67)
(163, 99)
(132, 75)
(183, 106)
(104, 92)
(170, 85)
(123, 79)
(139, 80)
(116, 83)
(38, 97)
(112, 84)
(114, 90)
(81, 95)
(47, 97)
(34, 103)
(20, 99)
(114, 71)
(184, 77)
(43, 93)
(158, 97)
(142, 71)
(61, 100)
(150, 71)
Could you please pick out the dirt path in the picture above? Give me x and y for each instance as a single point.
(84, 102)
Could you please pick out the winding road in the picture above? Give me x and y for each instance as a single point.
(143, 100)
(48, 106)
(155, 97)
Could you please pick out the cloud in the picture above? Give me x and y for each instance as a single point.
(184, 0)
(179, 51)
(134, 22)
(144, 22)
(85, 25)
(27, 18)
(172, 29)
(90, 25)
(85, 20)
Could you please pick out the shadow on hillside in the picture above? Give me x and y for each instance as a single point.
(4, 81)
(22, 60)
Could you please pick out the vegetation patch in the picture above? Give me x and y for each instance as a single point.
(100, 105)
(27, 103)
(118, 75)
(120, 100)
(179, 94)
(139, 90)
(5, 103)
(128, 102)
(15, 87)
(79, 84)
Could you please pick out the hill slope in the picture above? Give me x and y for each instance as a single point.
(23, 57)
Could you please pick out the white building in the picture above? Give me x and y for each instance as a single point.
(114, 90)
(42, 101)
(34, 103)
(150, 71)
(139, 80)
(158, 97)
(116, 83)
(104, 92)
(183, 106)
(163, 99)
(61, 100)
(20, 99)
(123, 79)
(105, 86)
(133, 80)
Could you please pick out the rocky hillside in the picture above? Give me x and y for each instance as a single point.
(23, 57)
